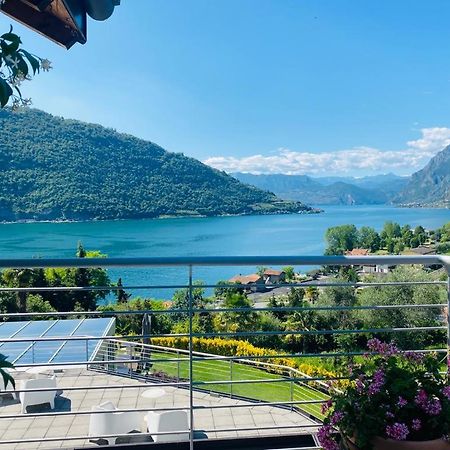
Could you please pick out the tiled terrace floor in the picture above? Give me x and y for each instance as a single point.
(23, 427)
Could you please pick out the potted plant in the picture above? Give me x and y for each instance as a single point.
(394, 400)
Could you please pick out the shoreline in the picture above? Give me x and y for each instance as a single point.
(161, 217)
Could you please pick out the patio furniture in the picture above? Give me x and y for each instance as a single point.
(38, 397)
(153, 394)
(159, 422)
(110, 422)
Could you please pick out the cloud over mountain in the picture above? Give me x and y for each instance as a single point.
(356, 161)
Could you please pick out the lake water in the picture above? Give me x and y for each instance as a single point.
(247, 235)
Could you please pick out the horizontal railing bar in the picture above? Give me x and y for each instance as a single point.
(223, 286)
(166, 408)
(113, 313)
(271, 380)
(103, 387)
(316, 332)
(274, 427)
(227, 334)
(196, 261)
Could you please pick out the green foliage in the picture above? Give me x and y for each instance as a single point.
(16, 65)
(56, 169)
(369, 238)
(340, 239)
(132, 324)
(54, 277)
(290, 272)
(405, 317)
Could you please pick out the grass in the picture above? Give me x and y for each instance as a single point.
(221, 371)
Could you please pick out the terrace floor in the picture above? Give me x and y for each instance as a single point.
(23, 427)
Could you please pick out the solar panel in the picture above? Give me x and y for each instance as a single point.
(32, 352)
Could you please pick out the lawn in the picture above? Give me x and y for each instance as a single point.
(221, 371)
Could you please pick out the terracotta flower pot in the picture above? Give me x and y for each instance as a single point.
(389, 444)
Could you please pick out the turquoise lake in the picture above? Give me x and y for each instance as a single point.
(243, 235)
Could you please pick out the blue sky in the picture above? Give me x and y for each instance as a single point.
(345, 87)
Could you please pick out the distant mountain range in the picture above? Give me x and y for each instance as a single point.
(370, 190)
(56, 169)
(429, 186)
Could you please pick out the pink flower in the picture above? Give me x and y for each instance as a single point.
(398, 431)
(401, 402)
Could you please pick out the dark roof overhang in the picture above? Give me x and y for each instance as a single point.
(62, 21)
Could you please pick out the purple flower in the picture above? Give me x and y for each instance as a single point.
(431, 406)
(375, 345)
(336, 417)
(389, 415)
(446, 391)
(326, 439)
(402, 402)
(326, 406)
(377, 382)
(416, 357)
(416, 424)
(398, 431)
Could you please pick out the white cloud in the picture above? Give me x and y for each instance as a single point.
(354, 161)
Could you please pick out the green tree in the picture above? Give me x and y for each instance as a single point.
(289, 272)
(19, 278)
(369, 238)
(391, 230)
(405, 317)
(239, 321)
(340, 239)
(122, 296)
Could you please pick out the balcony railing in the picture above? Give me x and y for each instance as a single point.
(234, 396)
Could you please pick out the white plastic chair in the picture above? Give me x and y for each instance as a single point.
(159, 422)
(38, 397)
(112, 422)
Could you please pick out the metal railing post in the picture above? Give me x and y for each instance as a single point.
(448, 322)
(87, 353)
(191, 368)
(292, 390)
(32, 352)
(178, 366)
(231, 378)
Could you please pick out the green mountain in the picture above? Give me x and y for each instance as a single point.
(52, 168)
(322, 191)
(431, 185)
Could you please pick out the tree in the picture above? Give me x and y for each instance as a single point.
(239, 321)
(181, 299)
(369, 238)
(19, 278)
(122, 296)
(260, 270)
(289, 272)
(405, 317)
(340, 239)
(391, 230)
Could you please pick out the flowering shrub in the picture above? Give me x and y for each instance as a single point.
(16, 66)
(393, 395)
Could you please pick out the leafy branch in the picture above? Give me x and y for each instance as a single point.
(17, 65)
